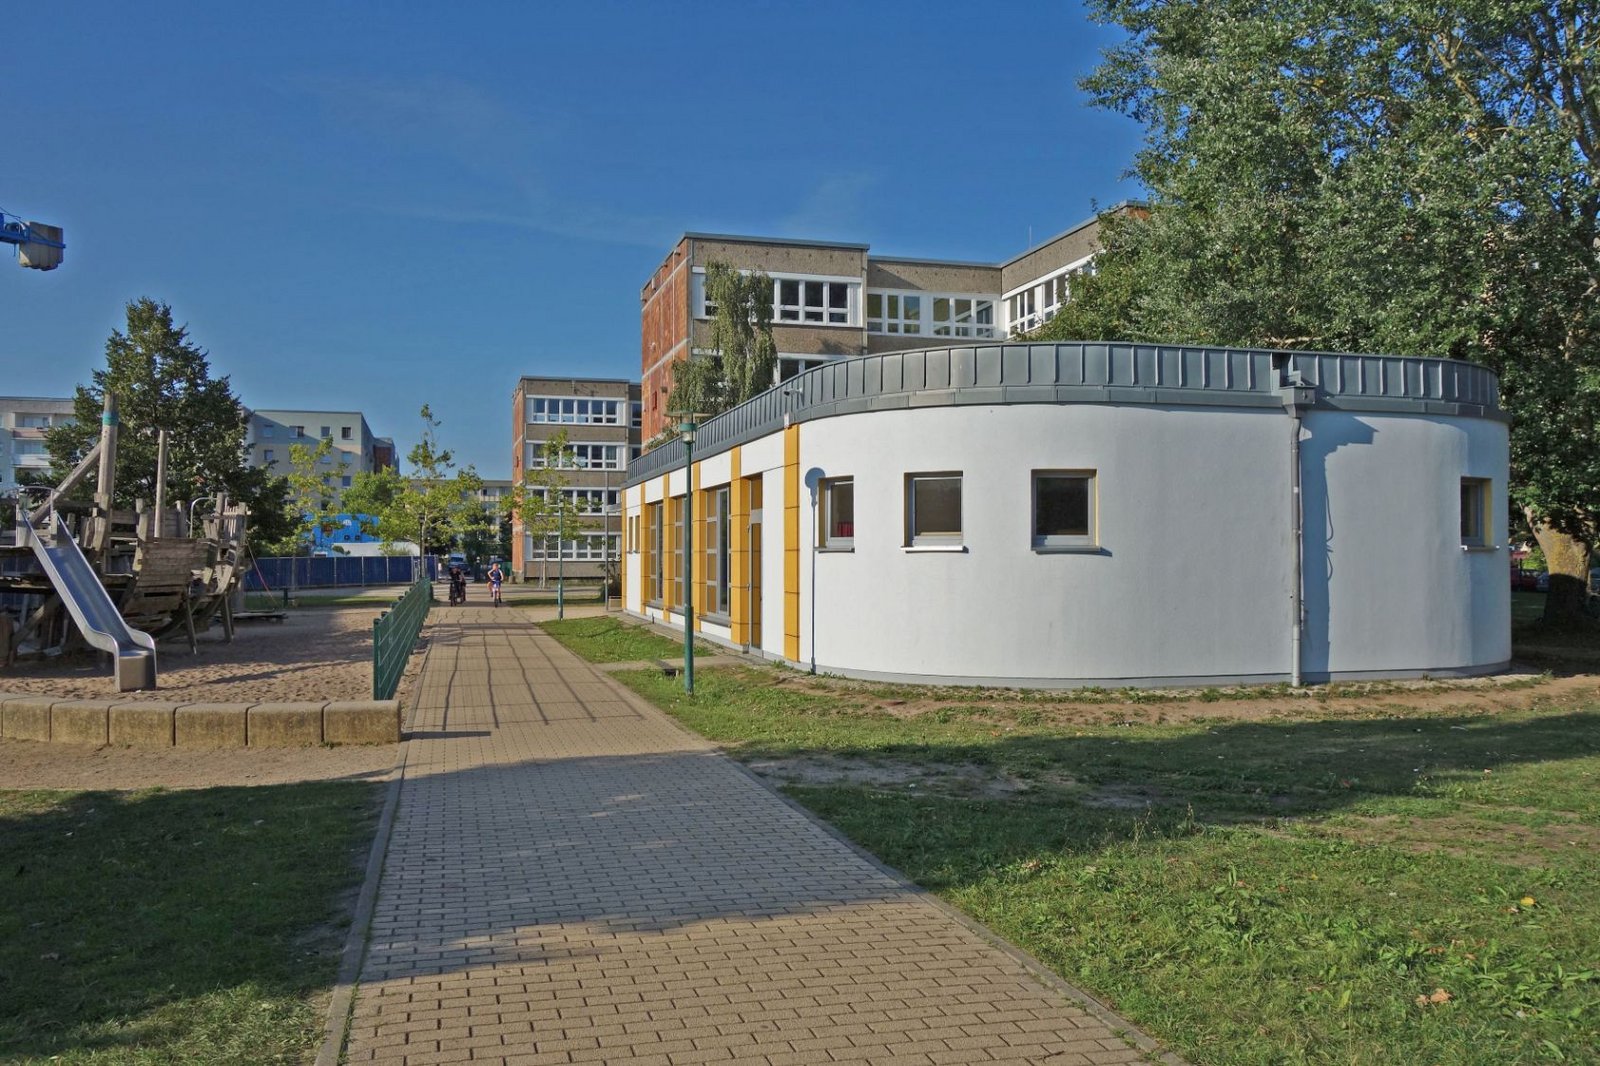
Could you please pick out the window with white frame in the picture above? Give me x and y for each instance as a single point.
(789, 366)
(1475, 512)
(838, 517)
(1030, 307)
(327, 433)
(798, 300)
(586, 548)
(1064, 509)
(939, 314)
(297, 431)
(347, 433)
(962, 316)
(574, 410)
(268, 456)
(581, 455)
(593, 501)
(717, 551)
(933, 510)
(632, 541)
(894, 312)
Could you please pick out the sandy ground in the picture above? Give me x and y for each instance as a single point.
(313, 654)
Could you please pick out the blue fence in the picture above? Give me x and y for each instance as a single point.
(307, 572)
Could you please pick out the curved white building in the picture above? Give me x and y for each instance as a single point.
(1077, 514)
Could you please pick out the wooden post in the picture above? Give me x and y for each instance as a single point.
(106, 483)
(161, 485)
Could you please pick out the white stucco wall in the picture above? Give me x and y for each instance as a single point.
(1192, 579)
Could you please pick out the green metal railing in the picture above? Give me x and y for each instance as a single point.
(394, 634)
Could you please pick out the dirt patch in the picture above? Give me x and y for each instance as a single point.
(26, 764)
(1513, 843)
(823, 770)
(1515, 690)
(322, 654)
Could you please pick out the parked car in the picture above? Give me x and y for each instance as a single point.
(1529, 580)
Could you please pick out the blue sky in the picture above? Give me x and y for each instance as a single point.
(373, 206)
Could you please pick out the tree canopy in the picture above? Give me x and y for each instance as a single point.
(739, 360)
(1369, 175)
(431, 506)
(162, 380)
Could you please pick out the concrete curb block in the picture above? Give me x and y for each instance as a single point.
(158, 723)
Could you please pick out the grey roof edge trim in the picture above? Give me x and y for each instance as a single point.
(1120, 205)
(1100, 372)
(738, 238)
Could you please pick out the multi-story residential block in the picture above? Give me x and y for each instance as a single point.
(834, 300)
(24, 420)
(601, 419)
(355, 448)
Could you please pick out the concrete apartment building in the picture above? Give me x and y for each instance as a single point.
(24, 420)
(601, 417)
(834, 300)
(272, 433)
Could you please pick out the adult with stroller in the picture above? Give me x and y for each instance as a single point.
(458, 586)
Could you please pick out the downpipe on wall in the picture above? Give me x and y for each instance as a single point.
(1297, 398)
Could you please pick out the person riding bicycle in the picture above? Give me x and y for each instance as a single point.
(496, 576)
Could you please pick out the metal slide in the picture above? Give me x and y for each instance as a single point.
(91, 607)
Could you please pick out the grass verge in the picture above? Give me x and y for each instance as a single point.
(183, 926)
(606, 640)
(1355, 881)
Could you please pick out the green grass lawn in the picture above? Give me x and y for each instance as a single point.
(606, 640)
(1355, 881)
(160, 927)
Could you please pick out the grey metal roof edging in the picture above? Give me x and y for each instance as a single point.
(1093, 372)
(793, 241)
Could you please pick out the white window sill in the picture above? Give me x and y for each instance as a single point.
(841, 549)
(958, 548)
(1069, 549)
(1480, 547)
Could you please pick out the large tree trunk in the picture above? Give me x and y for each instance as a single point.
(1568, 561)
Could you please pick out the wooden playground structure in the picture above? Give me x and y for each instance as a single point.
(114, 578)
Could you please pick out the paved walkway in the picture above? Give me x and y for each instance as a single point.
(573, 878)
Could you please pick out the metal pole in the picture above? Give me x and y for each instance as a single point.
(106, 484)
(688, 567)
(161, 485)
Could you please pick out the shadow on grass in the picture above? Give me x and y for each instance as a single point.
(193, 925)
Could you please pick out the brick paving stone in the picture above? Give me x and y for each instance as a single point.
(573, 878)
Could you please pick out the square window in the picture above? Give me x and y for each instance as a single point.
(267, 456)
(344, 482)
(346, 433)
(1063, 508)
(933, 509)
(838, 499)
(327, 432)
(1475, 507)
(266, 429)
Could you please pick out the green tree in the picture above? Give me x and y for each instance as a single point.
(1366, 175)
(162, 380)
(546, 510)
(740, 358)
(431, 506)
(311, 504)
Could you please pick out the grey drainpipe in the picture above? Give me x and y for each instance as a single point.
(1297, 397)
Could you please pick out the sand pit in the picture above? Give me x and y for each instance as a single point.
(313, 654)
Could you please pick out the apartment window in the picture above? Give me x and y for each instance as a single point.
(962, 316)
(1063, 508)
(636, 414)
(268, 456)
(33, 422)
(582, 456)
(267, 429)
(588, 548)
(656, 531)
(933, 510)
(789, 367)
(838, 498)
(344, 482)
(327, 432)
(327, 459)
(1475, 511)
(894, 312)
(30, 447)
(346, 433)
(574, 410)
(1022, 310)
(812, 301)
(297, 431)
